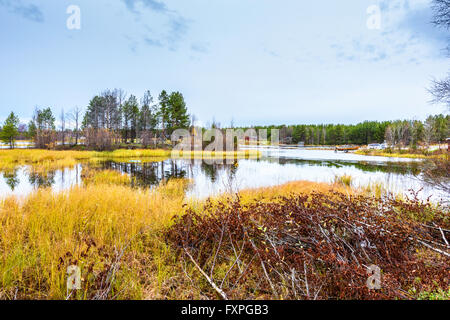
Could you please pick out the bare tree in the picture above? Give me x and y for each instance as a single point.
(62, 120)
(441, 10)
(75, 116)
(428, 131)
(121, 97)
(440, 89)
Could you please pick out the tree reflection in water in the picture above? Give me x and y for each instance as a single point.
(147, 174)
(11, 179)
(41, 180)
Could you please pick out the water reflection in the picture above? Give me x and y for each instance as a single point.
(413, 167)
(24, 180)
(147, 174)
(11, 179)
(212, 179)
(41, 180)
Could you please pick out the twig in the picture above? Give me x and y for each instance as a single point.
(219, 291)
(232, 266)
(306, 278)
(433, 248)
(217, 252)
(264, 268)
(443, 236)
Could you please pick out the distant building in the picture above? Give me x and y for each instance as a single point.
(374, 146)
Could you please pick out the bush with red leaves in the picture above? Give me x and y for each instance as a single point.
(316, 246)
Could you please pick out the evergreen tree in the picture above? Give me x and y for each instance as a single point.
(131, 116)
(164, 113)
(148, 119)
(179, 118)
(10, 130)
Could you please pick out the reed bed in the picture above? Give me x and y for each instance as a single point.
(108, 177)
(438, 154)
(51, 160)
(107, 230)
(43, 158)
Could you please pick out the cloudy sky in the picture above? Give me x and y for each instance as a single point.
(254, 61)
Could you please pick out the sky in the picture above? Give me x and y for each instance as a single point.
(253, 62)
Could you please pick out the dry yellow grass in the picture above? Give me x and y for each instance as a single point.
(44, 158)
(344, 180)
(383, 153)
(51, 160)
(108, 177)
(91, 226)
(295, 187)
(38, 235)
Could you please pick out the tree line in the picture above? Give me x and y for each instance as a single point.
(402, 133)
(111, 118)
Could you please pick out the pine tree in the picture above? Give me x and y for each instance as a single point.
(10, 130)
(131, 115)
(178, 112)
(164, 112)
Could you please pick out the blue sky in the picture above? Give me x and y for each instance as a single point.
(254, 61)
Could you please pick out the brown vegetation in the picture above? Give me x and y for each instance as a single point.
(314, 246)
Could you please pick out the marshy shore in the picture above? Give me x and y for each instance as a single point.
(301, 240)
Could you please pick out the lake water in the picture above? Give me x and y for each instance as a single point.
(18, 145)
(276, 166)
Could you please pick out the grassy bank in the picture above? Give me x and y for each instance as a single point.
(411, 154)
(48, 159)
(142, 244)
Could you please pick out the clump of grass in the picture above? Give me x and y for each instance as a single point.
(45, 159)
(411, 154)
(108, 177)
(344, 180)
(376, 189)
(174, 187)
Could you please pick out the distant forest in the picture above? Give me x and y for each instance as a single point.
(411, 133)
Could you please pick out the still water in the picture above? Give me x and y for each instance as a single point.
(276, 166)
